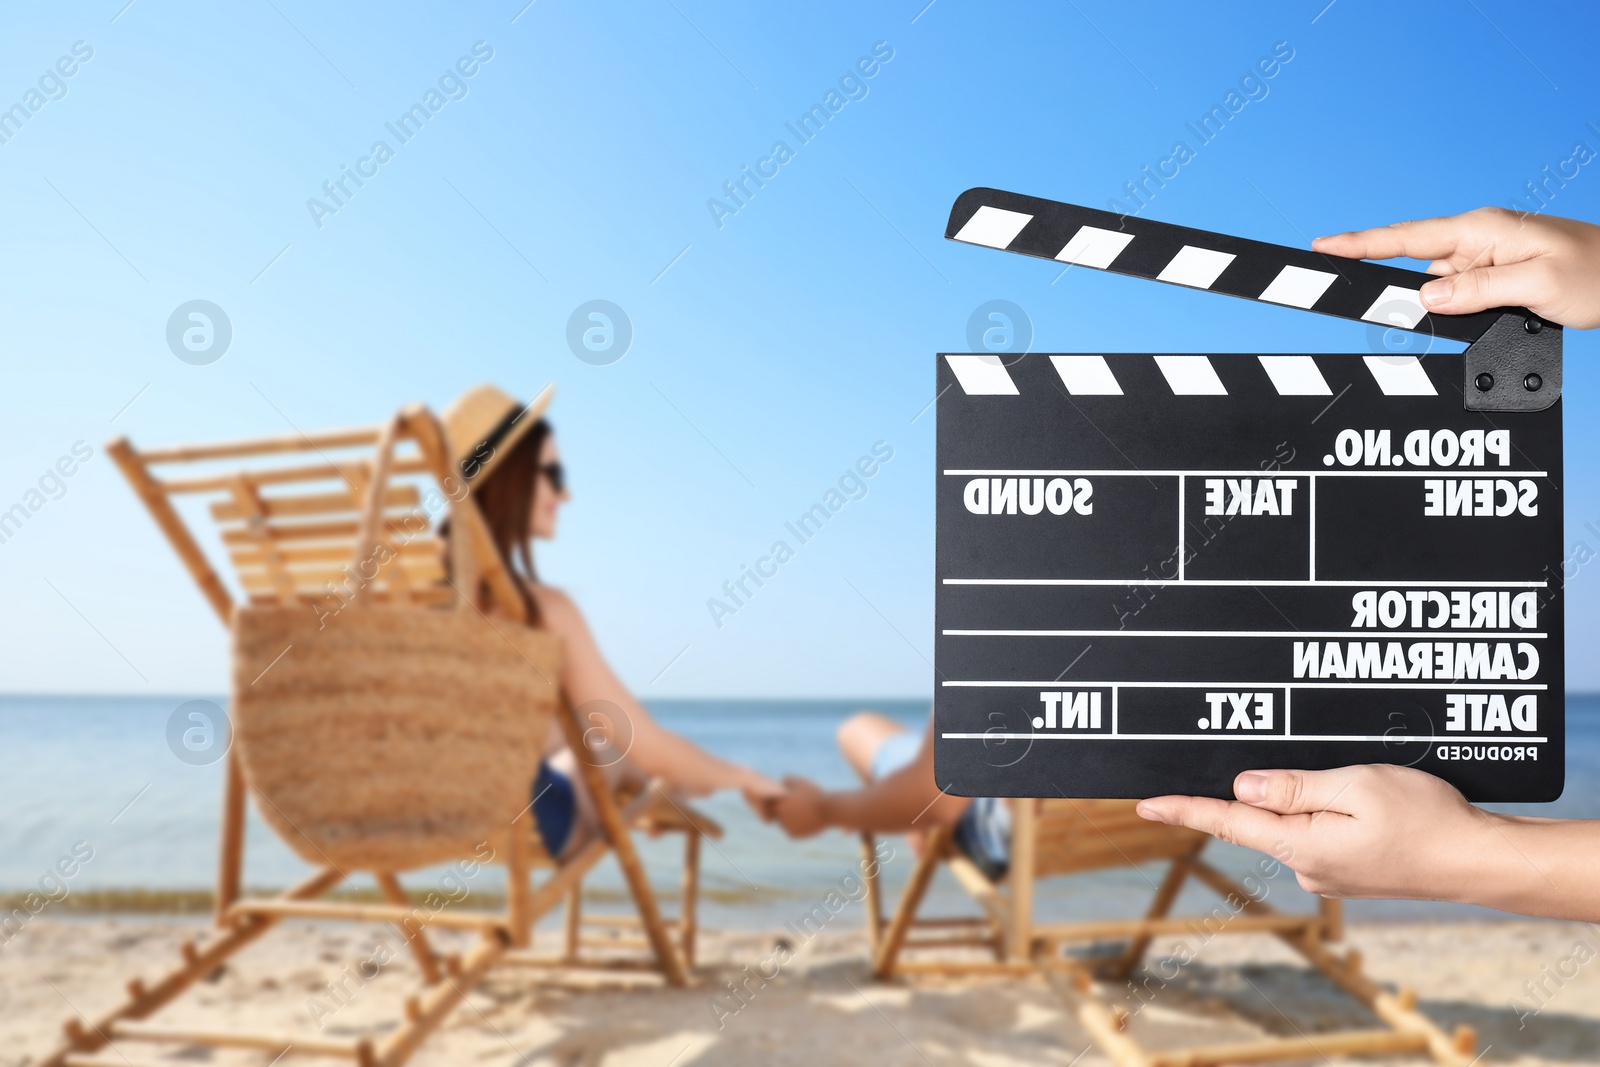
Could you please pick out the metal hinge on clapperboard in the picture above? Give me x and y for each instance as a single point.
(1513, 362)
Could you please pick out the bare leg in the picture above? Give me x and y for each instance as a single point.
(859, 737)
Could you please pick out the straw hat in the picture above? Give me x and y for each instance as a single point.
(483, 425)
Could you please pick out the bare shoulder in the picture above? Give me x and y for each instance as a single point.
(562, 617)
(560, 611)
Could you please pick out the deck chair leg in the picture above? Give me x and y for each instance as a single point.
(874, 899)
(688, 929)
(644, 897)
(574, 923)
(1104, 1022)
(1107, 1024)
(230, 853)
(1018, 943)
(905, 913)
(145, 1000)
(520, 915)
(1398, 1010)
(1332, 912)
(427, 962)
(567, 878)
(615, 831)
(1160, 906)
(424, 1014)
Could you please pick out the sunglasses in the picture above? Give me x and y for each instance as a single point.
(557, 476)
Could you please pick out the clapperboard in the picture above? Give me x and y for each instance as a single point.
(1155, 571)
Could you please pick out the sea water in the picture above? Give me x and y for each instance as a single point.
(98, 771)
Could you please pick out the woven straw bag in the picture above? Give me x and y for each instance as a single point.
(391, 737)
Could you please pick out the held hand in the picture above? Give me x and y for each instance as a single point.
(1492, 257)
(800, 810)
(1371, 831)
(761, 793)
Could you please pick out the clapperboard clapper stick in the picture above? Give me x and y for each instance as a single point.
(1155, 571)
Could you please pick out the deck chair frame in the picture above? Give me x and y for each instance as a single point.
(505, 936)
(1018, 945)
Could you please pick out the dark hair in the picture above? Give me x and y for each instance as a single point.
(505, 497)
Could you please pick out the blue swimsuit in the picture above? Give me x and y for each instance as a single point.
(555, 807)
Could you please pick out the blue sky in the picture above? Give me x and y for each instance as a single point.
(769, 352)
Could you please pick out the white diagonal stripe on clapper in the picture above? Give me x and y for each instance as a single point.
(1086, 375)
(1298, 287)
(982, 375)
(1195, 267)
(1295, 375)
(1093, 247)
(1400, 375)
(1396, 306)
(993, 226)
(1191, 376)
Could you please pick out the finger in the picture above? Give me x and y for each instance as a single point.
(1229, 821)
(1421, 239)
(1525, 284)
(1432, 239)
(1297, 792)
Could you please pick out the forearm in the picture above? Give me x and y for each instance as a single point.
(660, 753)
(890, 807)
(605, 704)
(854, 809)
(1544, 867)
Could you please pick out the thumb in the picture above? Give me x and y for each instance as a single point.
(1525, 284)
(1294, 792)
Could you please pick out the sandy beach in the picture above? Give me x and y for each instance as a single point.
(753, 497)
(821, 1008)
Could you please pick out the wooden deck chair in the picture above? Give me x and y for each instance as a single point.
(1059, 837)
(382, 726)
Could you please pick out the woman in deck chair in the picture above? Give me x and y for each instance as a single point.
(900, 795)
(506, 454)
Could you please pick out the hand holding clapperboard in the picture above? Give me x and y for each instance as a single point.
(1160, 573)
